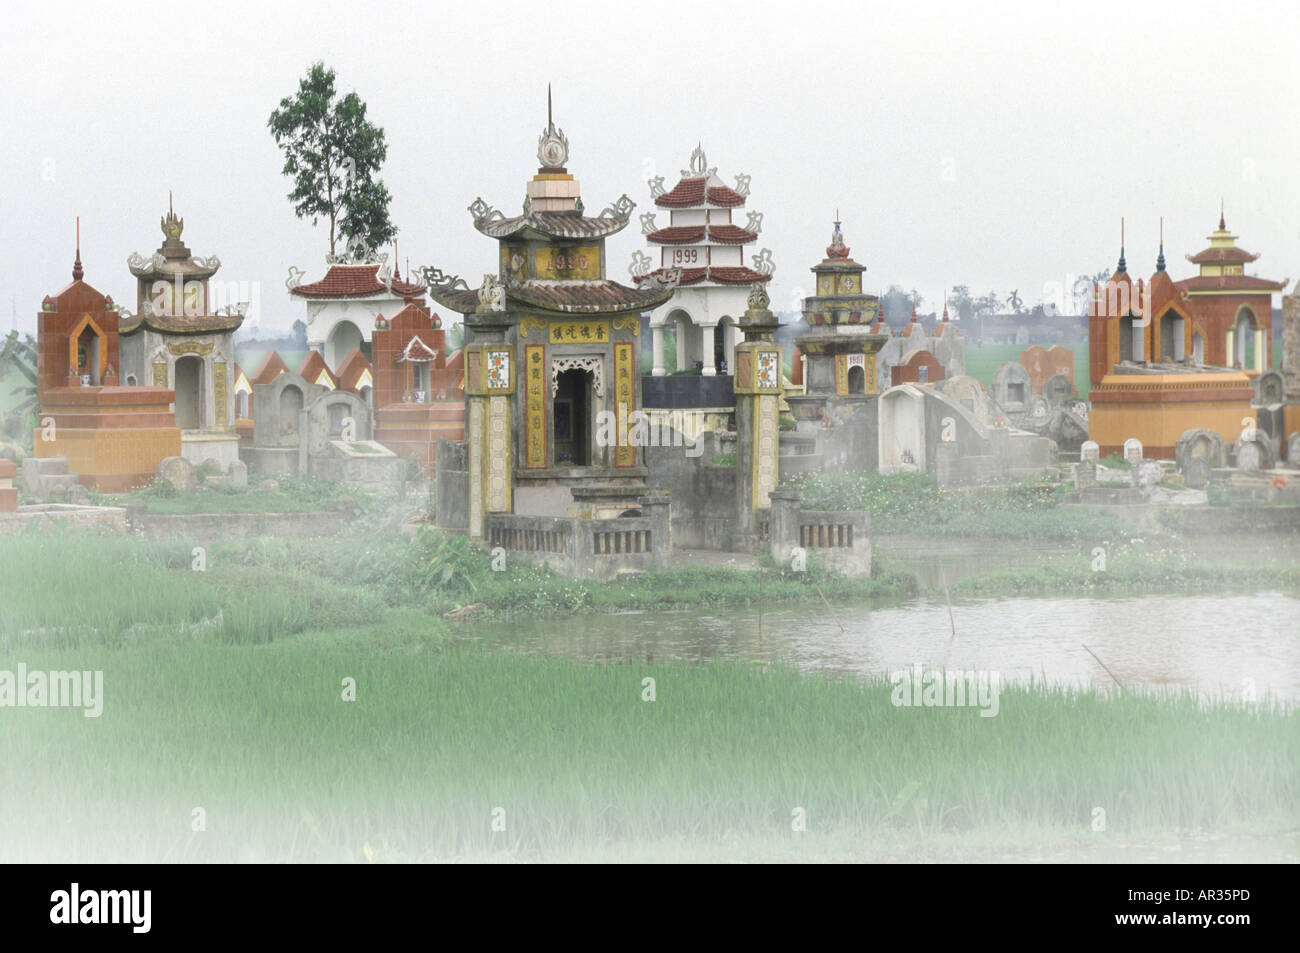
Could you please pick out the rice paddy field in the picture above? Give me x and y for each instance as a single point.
(982, 362)
(308, 702)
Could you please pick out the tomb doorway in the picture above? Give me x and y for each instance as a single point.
(1130, 340)
(1171, 330)
(572, 418)
(189, 392)
(343, 337)
(88, 354)
(290, 408)
(1245, 352)
(857, 380)
(723, 345)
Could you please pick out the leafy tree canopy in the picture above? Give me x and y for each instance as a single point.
(333, 154)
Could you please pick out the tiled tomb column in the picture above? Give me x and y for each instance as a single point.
(758, 390)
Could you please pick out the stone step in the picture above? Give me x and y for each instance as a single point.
(51, 480)
(47, 466)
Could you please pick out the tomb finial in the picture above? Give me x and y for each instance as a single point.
(77, 270)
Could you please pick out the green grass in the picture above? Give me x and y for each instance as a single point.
(1137, 577)
(74, 589)
(914, 504)
(983, 362)
(306, 495)
(579, 765)
(55, 586)
(222, 691)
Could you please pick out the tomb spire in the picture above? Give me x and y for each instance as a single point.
(837, 250)
(1123, 267)
(1160, 260)
(552, 144)
(77, 270)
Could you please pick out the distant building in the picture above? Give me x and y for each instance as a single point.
(917, 356)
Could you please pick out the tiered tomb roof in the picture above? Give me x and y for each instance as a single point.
(701, 240)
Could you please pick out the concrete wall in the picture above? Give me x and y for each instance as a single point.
(703, 495)
(359, 463)
(451, 490)
(840, 541)
(238, 525)
(270, 461)
(589, 548)
(58, 517)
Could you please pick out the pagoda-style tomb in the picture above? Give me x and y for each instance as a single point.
(837, 357)
(702, 240)
(1234, 309)
(174, 341)
(343, 306)
(1151, 361)
(113, 436)
(552, 352)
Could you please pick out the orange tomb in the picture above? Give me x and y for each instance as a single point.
(114, 437)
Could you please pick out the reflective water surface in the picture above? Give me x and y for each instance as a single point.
(1218, 645)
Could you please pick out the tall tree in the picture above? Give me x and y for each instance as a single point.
(960, 300)
(18, 374)
(333, 153)
(897, 304)
(988, 304)
(1083, 289)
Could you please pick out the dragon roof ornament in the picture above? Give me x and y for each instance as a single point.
(436, 280)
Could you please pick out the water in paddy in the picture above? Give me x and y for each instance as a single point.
(1217, 645)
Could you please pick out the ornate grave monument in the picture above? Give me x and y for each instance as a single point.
(552, 354)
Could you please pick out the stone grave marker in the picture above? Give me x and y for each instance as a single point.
(1085, 475)
(1196, 473)
(1145, 474)
(179, 472)
(1249, 456)
(1058, 390)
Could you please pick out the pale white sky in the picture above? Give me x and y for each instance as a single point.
(960, 146)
